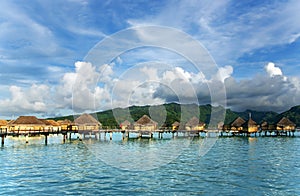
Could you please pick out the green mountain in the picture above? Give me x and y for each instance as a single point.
(259, 116)
(167, 114)
(293, 114)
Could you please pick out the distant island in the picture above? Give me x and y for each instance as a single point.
(173, 114)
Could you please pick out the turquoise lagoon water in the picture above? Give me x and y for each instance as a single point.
(233, 166)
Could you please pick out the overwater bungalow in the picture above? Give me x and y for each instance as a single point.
(126, 125)
(250, 126)
(48, 126)
(26, 123)
(175, 126)
(285, 125)
(237, 125)
(264, 126)
(3, 125)
(195, 125)
(145, 123)
(220, 126)
(66, 124)
(87, 122)
(55, 125)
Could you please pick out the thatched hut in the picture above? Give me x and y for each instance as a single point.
(285, 125)
(175, 126)
(220, 125)
(126, 125)
(195, 125)
(145, 123)
(55, 125)
(87, 122)
(3, 125)
(264, 126)
(250, 126)
(237, 124)
(66, 124)
(48, 126)
(27, 123)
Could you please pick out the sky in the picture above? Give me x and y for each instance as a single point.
(64, 57)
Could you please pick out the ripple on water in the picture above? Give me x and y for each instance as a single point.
(234, 166)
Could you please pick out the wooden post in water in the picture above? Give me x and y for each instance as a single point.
(26, 138)
(46, 139)
(110, 135)
(2, 140)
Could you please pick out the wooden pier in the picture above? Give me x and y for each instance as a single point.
(141, 133)
(32, 133)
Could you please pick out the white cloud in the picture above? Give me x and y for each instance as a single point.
(229, 31)
(272, 70)
(27, 101)
(224, 73)
(84, 90)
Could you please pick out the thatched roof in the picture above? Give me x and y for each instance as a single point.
(28, 120)
(194, 122)
(3, 123)
(86, 119)
(11, 122)
(45, 122)
(126, 123)
(145, 120)
(238, 122)
(176, 124)
(264, 124)
(64, 122)
(285, 122)
(53, 122)
(251, 123)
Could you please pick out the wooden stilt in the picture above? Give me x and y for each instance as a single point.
(110, 135)
(2, 140)
(46, 139)
(26, 138)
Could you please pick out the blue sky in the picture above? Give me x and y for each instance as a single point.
(255, 45)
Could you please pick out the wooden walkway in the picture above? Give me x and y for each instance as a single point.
(31, 133)
(139, 133)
